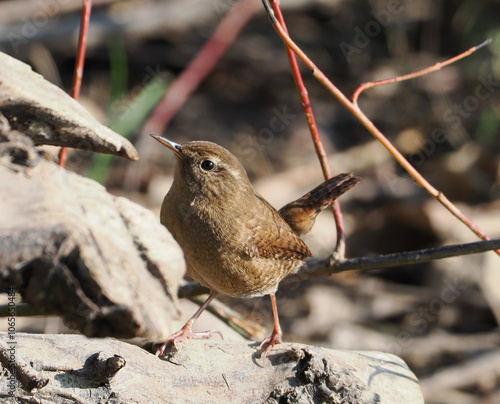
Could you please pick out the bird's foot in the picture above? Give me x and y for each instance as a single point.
(184, 333)
(274, 339)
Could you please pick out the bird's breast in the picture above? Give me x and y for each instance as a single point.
(216, 241)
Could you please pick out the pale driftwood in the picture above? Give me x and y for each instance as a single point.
(50, 116)
(103, 263)
(209, 372)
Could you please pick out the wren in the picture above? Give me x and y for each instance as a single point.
(235, 243)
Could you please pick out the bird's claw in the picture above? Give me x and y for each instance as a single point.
(274, 339)
(183, 334)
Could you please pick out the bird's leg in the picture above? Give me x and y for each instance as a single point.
(275, 337)
(186, 332)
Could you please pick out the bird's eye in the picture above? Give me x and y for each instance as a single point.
(207, 165)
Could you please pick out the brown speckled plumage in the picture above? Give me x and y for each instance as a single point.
(235, 243)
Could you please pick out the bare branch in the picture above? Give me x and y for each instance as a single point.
(315, 268)
(369, 125)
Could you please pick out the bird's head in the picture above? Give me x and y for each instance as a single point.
(207, 169)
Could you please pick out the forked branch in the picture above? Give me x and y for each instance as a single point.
(313, 129)
(368, 124)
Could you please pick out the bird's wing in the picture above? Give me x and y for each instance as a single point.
(277, 240)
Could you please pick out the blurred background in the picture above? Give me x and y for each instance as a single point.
(441, 318)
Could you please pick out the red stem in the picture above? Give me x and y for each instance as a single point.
(370, 126)
(80, 60)
(418, 73)
(311, 122)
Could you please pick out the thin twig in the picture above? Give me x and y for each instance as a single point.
(80, 60)
(318, 268)
(245, 327)
(418, 73)
(313, 128)
(369, 125)
(22, 310)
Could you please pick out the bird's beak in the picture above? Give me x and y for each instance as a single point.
(175, 147)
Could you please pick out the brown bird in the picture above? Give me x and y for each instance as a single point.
(235, 243)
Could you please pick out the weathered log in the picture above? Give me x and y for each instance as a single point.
(103, 263)
(48, 115)
(210, 372)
